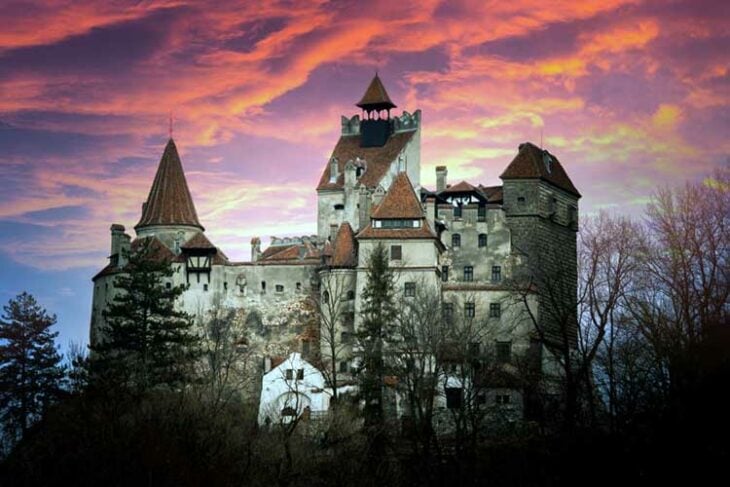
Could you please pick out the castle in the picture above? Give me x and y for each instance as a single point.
(462, 241)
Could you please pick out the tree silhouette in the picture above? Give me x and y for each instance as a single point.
(30, 372)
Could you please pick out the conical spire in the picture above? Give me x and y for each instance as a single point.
(375, 97)
(169, 201)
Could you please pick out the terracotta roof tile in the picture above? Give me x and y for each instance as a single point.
(200, 242)
(169, 201)
(462, 187)
(529, 164)
(400, 201)
(376, 97)
(345, 252)
(377, 159)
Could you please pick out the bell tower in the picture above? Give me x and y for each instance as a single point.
(375, 127)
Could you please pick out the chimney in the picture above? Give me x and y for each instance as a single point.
(120, 245)
(441, 173)
(255, 249)
(350, 174)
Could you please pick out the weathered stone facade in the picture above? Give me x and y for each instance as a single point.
(469, 243)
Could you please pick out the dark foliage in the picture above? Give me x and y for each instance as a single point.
(30, 371)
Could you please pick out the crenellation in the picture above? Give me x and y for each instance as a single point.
(469, 244)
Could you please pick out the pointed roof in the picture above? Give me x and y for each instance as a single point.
(169, 201)
(532, 162)
(375, 97)
(344, 253)
(462, 187)
(400, 201)
(377, 159)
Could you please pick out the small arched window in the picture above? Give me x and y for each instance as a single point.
(326, 296)
(482, 240)
(350, 295)
(456, 240)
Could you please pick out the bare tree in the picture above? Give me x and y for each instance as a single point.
(227, 363)
(685, 290)
(608, 260)
(333, 306)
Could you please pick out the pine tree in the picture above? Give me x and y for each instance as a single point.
(379, 316)
(30, 372)
(145, 342)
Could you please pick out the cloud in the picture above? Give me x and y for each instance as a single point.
(627, 93)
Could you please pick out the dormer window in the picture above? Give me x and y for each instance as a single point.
(410, 223)
(548, 161)
(334, 170)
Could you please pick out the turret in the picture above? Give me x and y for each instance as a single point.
(375, 127)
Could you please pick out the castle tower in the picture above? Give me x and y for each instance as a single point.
(369, 154)
(169, 212)
(541, 207)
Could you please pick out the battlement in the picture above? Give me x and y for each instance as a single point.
(405, 122)
(304, 239)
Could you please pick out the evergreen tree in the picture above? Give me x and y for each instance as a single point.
(379, 317)
(30, 372)
(145, 342)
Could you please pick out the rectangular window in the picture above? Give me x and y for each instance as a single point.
(299, 286)
(225, 286)
(453, 397)
(343, 366)
(263, 286)
(205, 287)
(448, 312)
(396, 252)
(345, 337)
(445, 273)
(495, 310)
(469, 309)
(348, 319)
(279, 288)
(289, 374)
(482, 213)
(410, 289)
(502, 399)
(456, 240)
(496, 273)
(521, 199)
(300, 374)
(457, 211)
(468, 273)
(482, 240)
(504, 352)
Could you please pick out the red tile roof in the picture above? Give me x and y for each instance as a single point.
(345, 252)
(400, 201)
(377, 159)
(529, 164)
(462, 187)
(200, 242)
(423, 232)
(169, 201)
(375, 97)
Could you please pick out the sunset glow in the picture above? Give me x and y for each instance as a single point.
(628, 94)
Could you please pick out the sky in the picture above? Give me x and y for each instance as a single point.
(628, 94)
